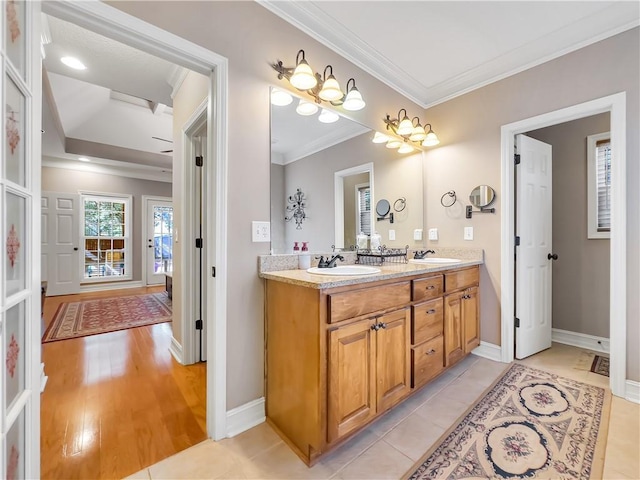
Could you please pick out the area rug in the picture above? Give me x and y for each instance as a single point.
(90, 317)
(600, 365)
(530, 424)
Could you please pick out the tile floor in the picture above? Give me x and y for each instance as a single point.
(392, 444)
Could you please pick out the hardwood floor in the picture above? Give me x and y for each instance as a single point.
(116, 402)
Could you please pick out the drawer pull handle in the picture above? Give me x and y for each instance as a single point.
(431, 312)
(375, 327)
(431, 287)
(382, 325)
(431, 352)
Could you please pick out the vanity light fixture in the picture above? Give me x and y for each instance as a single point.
(380, 138)
(327, 116)
(280, 98)
(74, 63)
(393, 143)
(431, 139)
(306, 108)
(322, 88)
(405, 148)
(411, 131)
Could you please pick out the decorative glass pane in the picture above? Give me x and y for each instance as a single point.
(15, 35)
(14, 349)
(14, 450)
(15, 242)
(14, 131)
(162, 239)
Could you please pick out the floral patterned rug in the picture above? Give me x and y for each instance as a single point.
(531, 424)
(90, 317)
(600, 365)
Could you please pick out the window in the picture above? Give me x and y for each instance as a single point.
(599, 185)
(363, 194)
(106, 237)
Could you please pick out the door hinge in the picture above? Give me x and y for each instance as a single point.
(517, 241)
(198, 243)
(199, 161)
(517, 322)
(198, 324)
(213, 272)
(516, 158)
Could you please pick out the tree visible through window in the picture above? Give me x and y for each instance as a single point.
(106, 237)
(599, 185)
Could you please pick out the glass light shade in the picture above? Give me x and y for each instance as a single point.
(331, 90)
(280, 98)
(405, 127)
(327, 116)
(303, 77)
(405, 148)
(431, 140)
(353, 101)
(393, 143)
(418, 134)
(380, 138)
(73, 62)
(306, 108)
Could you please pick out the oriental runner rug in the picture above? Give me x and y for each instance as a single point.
(90, 317)
(600, 365)
(530, 424)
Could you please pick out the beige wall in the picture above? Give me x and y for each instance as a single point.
(278, 206)
(73, 181)
(581, 273)
(188, 98)
(469, 129)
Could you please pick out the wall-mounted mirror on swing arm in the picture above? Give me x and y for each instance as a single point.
(481, 197)
(383, 210)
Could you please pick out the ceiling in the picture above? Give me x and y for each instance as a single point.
(110, 111)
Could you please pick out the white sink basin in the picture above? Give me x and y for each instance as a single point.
(344, 270)
(434, 260)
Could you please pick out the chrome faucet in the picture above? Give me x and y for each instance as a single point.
(421, 254)
(329, 263)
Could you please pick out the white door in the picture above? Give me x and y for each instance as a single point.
(159, 240)
(533, 262)
(20, 309)
(61, 242)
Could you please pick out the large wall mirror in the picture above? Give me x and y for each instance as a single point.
(342, 175)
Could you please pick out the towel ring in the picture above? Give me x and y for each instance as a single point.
(399, 204)
(451, 194)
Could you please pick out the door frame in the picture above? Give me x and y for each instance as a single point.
(118, 25)
(145, 231)
(616, 106)
(338, 191)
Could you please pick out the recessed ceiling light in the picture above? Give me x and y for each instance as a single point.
(73, 63)
(84, 159)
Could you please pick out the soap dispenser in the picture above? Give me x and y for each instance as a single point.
(376, 240)
(361, 241)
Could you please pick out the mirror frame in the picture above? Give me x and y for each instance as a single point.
(338, 190)
(493, 196)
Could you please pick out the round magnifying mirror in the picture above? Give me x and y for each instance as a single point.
(482, 196)
(382, 207)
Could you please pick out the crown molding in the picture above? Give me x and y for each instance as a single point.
(111, 167)
(322, 143)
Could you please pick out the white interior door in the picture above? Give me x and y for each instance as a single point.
(533, 265)
(61, 242)
(159, 239)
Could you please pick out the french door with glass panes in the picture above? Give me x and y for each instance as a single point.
(20, 307)
(159, 239)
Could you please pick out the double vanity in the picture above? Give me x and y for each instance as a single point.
(342, 349)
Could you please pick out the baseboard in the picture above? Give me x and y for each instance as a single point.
(489, 350)
(176, 350)
(632, 391)
(87, 288)
(581, 340)
(245, 416)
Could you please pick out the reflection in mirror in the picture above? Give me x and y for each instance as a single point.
(482, 196)
(334, 165)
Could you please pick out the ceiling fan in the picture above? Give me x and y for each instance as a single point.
(164, 140)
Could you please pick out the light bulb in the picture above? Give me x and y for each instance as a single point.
(353, 101)
(306, 108)
(331, 90)
(380, 138)
(303, 77)
(405, 148)
(393, 143)
(280, 98)
(327, 116)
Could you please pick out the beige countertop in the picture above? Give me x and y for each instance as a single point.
(387, 271)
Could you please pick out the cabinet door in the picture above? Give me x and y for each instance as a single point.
(471, 319)
(351, 378)
(393, 358)
(453, 335)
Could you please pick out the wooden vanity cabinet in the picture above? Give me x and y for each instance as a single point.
(461, 314)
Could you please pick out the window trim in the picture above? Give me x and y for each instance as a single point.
(128, 264)
(592, 187)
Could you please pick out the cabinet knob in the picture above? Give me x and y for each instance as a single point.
(430, 287)
(431, 352)
(431, 312)
(375, 327)
(382, 325)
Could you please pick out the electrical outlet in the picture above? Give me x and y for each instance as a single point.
(433, 234)
(392, 234)
(260, 231)
(468, 233)
(417, 234)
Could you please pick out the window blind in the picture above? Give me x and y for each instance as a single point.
(603, 178)
(364, 210)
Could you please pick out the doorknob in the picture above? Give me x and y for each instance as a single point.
(553, 256)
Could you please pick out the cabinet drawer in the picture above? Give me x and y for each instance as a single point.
(426, 288)
(461, 279)
(367, 300)
(427, 320)
(427, 361)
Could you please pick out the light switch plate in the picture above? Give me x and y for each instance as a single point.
(392, 234)
(433, 234)
(468, 233)
(260, 231)
(417, 234)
